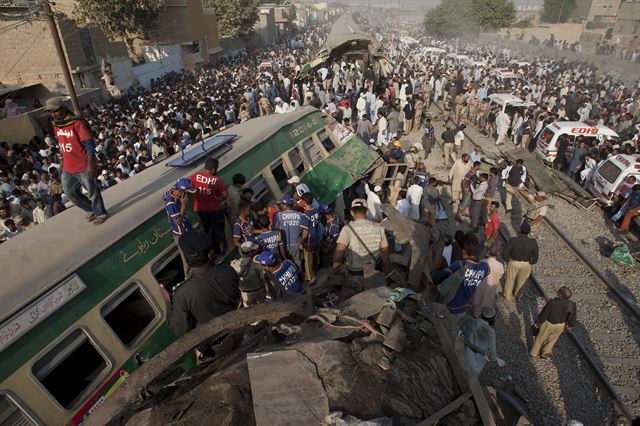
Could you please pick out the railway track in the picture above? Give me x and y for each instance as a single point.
(607, 333)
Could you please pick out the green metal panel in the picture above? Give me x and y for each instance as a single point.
(116, 264)
(102, 275)
(330, 177)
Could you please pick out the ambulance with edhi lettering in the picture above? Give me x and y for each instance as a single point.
(547, 143)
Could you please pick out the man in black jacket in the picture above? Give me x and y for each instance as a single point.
(558, 315)
(522, 253)
(210, 292)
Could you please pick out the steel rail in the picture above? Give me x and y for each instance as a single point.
(630, 305)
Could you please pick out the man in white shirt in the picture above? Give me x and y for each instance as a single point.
(374, 203)
(477, 199)
(42, 212)
(382, 131)
(458, 140)
(414, 196)
(502, 127)
(402, 205)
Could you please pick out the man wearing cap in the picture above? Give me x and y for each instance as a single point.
(211, 290)
(538, 210)
(521, 253)
(286, 274)
(175, 204)
(363, 242)
(209, 189)
(288, 221)
(299, 188)
(77, 148)
(374, 202)
(395, 154)
(558, 315)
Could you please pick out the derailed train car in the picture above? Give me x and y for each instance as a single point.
(81, 306)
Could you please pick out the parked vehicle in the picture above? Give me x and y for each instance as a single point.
(611, 174)
(546, 146)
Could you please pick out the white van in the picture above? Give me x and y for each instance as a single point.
(546, 146)
(506, 102)
(611, 174)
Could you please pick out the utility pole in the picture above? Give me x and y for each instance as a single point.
(51, 20)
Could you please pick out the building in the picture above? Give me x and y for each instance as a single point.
(627, 24)
(597, 13)
(187, 35)
(266, 23)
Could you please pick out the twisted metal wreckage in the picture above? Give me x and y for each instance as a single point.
(374, 347)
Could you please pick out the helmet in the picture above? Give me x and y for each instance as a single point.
(266, 258)
(185, 185)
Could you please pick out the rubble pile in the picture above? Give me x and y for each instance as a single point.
(367, 351)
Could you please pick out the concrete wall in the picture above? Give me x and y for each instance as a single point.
(232, 46)
(159, 60)
(185, 21)
(628, 22)
(603, 10)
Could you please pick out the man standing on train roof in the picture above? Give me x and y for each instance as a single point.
(207, 204)
(175, 203)
(210, 292)
(77, 148)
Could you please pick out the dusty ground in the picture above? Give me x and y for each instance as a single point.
(562, 388)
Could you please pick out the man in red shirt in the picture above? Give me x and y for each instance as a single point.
(492, 227)
(209, 189)
(77, 147)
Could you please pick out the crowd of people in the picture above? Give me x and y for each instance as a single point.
(283, 244)
(146, 125)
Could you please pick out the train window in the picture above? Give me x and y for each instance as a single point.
(312, 151)
(280, 175)
(261, 192)
(11, 414)
(296, 160)
(69, 369)
(169, 270)
(128, 314)
(325, 140)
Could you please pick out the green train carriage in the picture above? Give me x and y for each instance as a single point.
(81, 306)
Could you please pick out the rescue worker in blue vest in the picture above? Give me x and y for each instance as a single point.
(310, 238)
(269, 239)
(210, 292)
(175, 204)
(286, 274)
(288, 221)
(330, 231)
(242, 229)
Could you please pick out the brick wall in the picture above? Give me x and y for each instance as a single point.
(29, 56)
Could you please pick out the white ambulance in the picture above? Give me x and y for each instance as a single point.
(546, 146)
(611, 174)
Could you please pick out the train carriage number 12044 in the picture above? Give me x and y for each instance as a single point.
(301, 129)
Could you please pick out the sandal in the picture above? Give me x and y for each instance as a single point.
(100, 220)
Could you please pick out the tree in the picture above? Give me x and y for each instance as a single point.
(494, 14)
(454, 18)
(236, 18)
(556, 11)
(125, 20)
(451, 18)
